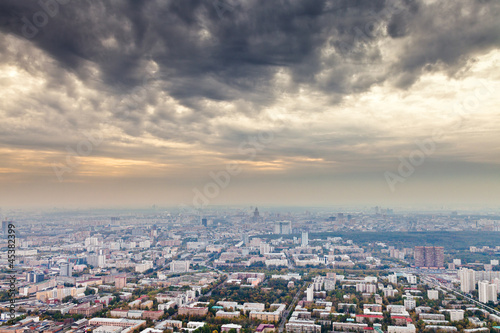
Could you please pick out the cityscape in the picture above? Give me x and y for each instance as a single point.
(252, 270)
(249, 166)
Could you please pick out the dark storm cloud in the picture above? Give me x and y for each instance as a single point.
(248, 41)
(223, 50)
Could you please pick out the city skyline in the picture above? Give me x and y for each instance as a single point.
(204, 103)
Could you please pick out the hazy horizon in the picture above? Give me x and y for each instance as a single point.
(284, 103)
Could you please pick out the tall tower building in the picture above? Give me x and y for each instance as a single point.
(66, 269)
(310, 293)
(483, 291)
(439, 256)
(256, 216)
(419, 255)
(429, 256)
(467, 280)
(283, 228)
(5, 225)
(305, 239)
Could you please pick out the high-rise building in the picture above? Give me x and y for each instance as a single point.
(283, 228)
(5, 226)
(439, 256)
(33, 277)
(204, 222)
(467, 280)
(393, 278)
(97, 260)
(486, 291)
(66, 269)
(429, 256)
(310, 293)
(246, 239)
(305, 239)
(256, 218)
(419, 255)
(265, 248)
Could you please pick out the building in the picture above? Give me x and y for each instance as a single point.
(193, 311)
(265, 328)
(108, 329)
(310, 293)
(305, 239)
(303, 326)
(433, 294)
(229, 314)
(179, 266)
(393, 278)
(283, 228)
(410, 304)
(256, 218)
(264, 248)
(65, 269)
(153, 315)
(120, 322)
(348, 327)
(228, 327)
(86, 309)
(274, 316)
(467, 280)
(144, 266)
(419, 256)
(96, 260)
(456, 315)
(487, 292)
(33, 277)
(429, 256)
(120, 282)
(410, 328)
(412, 279)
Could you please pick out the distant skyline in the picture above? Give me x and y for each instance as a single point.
(225, 102)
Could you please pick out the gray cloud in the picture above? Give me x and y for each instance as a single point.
(203, 74)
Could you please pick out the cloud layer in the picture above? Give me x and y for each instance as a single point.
(171, 90)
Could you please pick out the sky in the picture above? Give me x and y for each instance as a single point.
(255, 102)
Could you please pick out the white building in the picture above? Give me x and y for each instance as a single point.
(487, 292)
(310, 293)
(412, 279)
(393, 278)
(467, 280)
(433, 294)
(410, 304)
(305, 239)
(456, 315)
(141, 268)
(265, 248)
(179, 266)
(283, 228)
(66, 269)
(401, 329)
